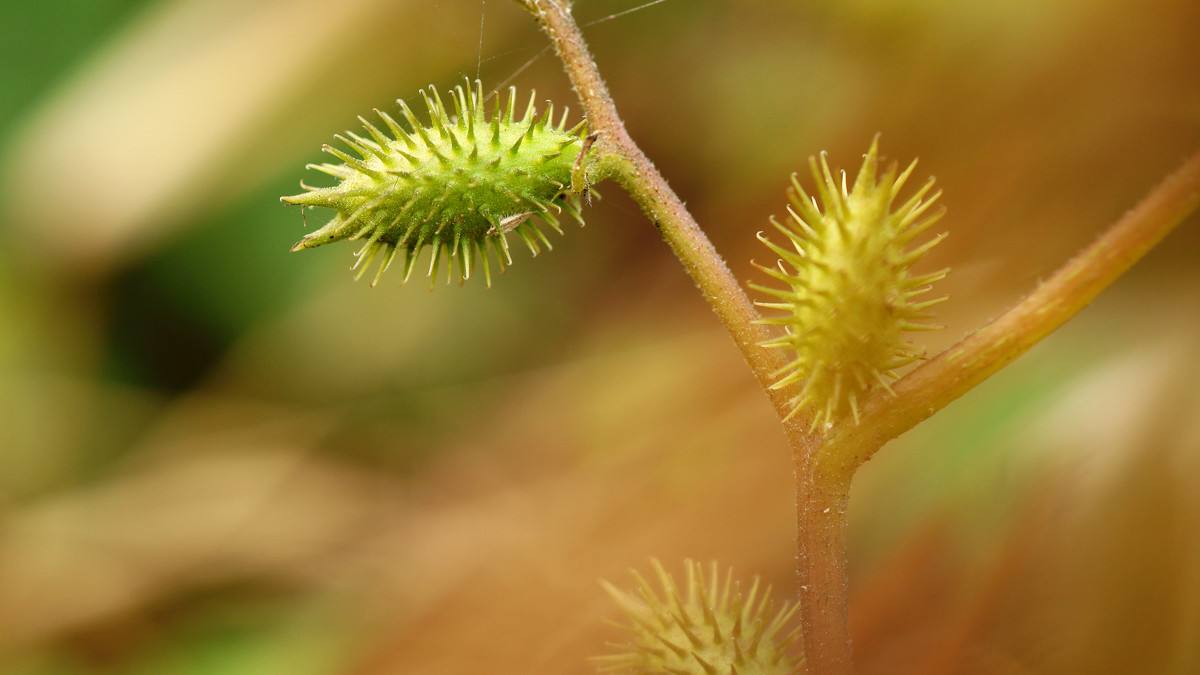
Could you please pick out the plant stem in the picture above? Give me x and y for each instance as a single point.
(824, 585)
(955, 371)
(634, 172)
(821, 501)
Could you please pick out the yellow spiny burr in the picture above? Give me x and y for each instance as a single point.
(846, 295)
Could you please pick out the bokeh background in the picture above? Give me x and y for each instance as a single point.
(220, 458)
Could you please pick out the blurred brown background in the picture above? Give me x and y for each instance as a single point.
(219, 458)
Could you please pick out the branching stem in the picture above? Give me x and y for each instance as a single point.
(825, 465)
(941, 380)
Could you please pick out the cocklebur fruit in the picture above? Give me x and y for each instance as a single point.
(709, 627)
(458, 186)
(846, 296)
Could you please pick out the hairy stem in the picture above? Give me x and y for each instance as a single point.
(629, 167)
(824, 585)
(955, 371)
(821, 503)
